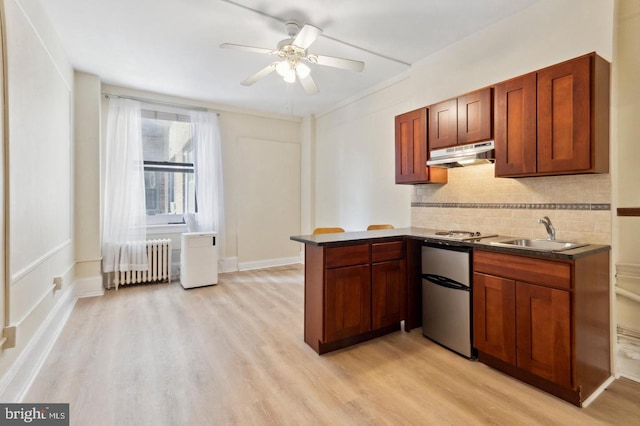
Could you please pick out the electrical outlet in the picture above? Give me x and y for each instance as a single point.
(58, 282)
(9, 336)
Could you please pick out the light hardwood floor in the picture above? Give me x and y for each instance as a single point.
(234, 354)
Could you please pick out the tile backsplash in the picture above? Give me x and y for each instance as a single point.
(475, 200)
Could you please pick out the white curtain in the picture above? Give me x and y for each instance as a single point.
(125, 216)
(208, 170)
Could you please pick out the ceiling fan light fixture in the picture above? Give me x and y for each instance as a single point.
(302, 70)
(283, 68)
(290, 77)
(291, 53)
(286, 71)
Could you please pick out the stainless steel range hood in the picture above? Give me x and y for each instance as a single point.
(463, 155)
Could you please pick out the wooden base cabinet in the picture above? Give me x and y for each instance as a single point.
(389, 289)
(494, 316)
(543, 332)
(347, 302)
(353, 292)
(545, 322)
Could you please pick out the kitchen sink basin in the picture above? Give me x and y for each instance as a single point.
(542, 245)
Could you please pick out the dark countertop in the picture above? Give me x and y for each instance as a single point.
(345, 238)
(350, 237)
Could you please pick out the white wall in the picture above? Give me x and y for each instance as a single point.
(41, 247)
(87, 211)
(354, 144)
(236, 125)
(626, 175)
(354, 163)
(268, 202)
(3, 144)
(548, 32)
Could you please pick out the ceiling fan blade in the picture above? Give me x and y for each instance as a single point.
(330, 61)
(307, 35)
(260, 74)
(308, 85)
(248, 48)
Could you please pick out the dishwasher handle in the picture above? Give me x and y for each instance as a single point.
(445, 282)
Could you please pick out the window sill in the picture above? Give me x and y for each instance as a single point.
(166, 229)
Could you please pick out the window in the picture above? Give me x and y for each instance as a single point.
(168, 166)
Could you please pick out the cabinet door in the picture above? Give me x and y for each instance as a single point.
(412, 150)
(544, 333)
(411, 146)
(564, 117)
(347, 302)
(494, 316)
(515, 126)
(475, 116)
(443, 124)
(388, 293)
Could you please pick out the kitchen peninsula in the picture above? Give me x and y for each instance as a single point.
(361, 285)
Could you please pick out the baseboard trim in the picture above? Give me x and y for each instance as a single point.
(88, 287)
(630, 377)
(628, 358)
(597, 392)
(228, 264)
(18, 378)
(260, 264)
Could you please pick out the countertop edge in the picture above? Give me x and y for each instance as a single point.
(348, 238)
(576, 253)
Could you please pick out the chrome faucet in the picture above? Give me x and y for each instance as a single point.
(551, 231)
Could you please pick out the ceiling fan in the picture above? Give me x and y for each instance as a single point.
(292, 52)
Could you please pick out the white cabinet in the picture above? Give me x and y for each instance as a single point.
(199, 259)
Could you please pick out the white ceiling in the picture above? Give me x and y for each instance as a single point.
(172, 46)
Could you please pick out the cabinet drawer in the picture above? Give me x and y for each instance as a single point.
(336, 257)
(520, 268)
(381, 252)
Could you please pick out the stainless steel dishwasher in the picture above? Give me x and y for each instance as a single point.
(446, 296)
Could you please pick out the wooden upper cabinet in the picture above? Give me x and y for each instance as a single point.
(412, 150)
(570, 126)
(466, 119)
(411, 155)
(515, 126)
(443, 124)
(554, 121)
(475, 117)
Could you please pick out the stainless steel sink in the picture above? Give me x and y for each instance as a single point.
(541, 245)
